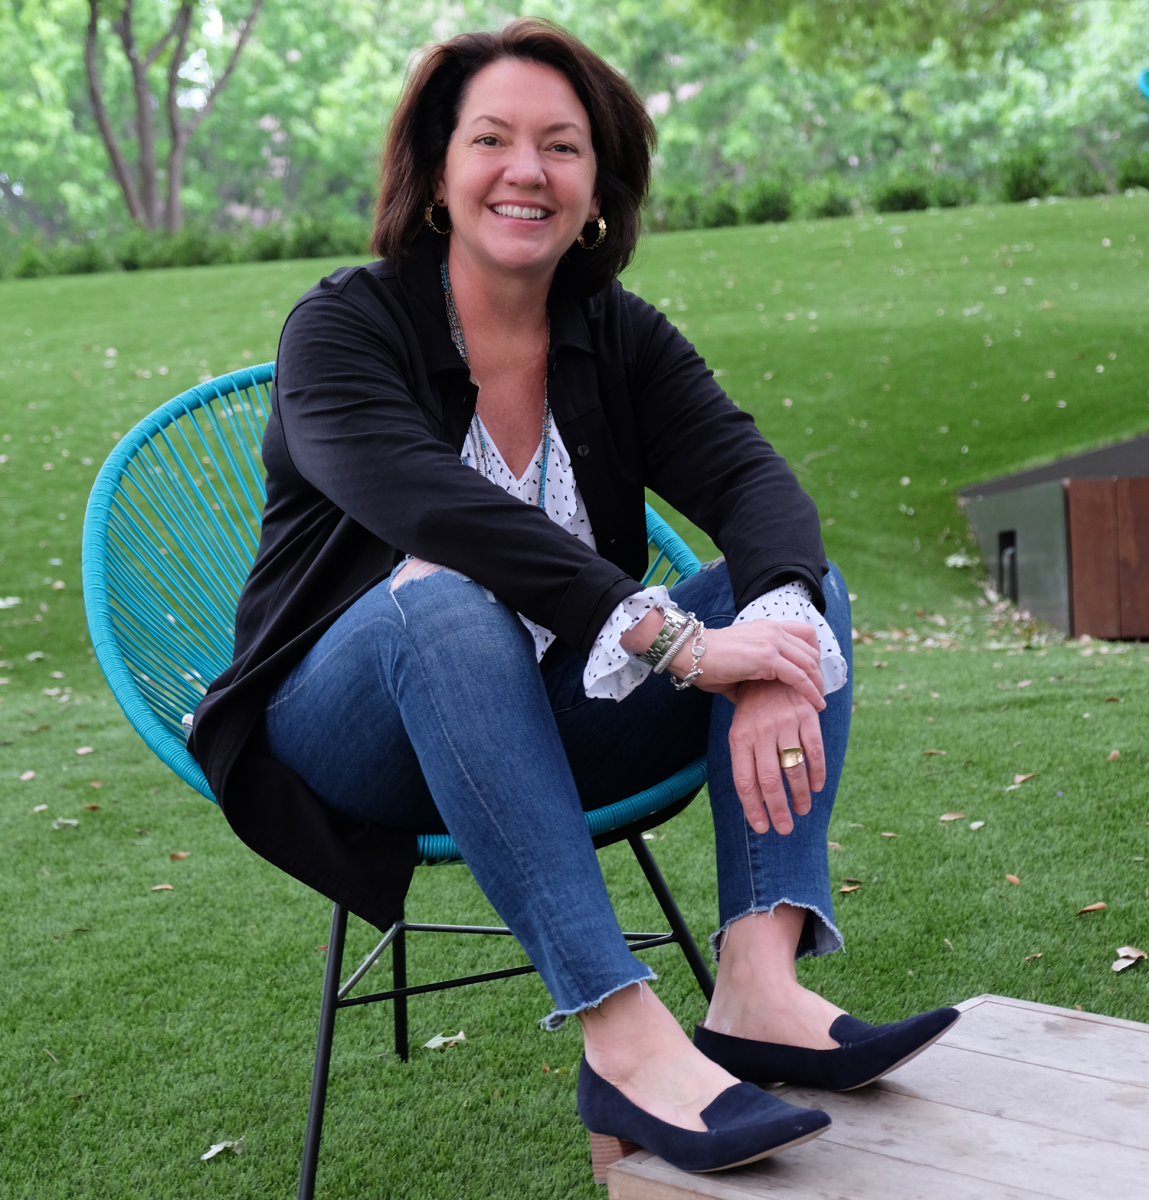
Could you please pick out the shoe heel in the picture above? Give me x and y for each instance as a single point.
(605, 1151)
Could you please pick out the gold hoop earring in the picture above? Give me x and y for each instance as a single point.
(601, 236)
(429, 219)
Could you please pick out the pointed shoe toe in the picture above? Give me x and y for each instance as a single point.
(743, 1125)
(866, 1052)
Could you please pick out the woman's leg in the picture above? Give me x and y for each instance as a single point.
(429, 689)
(774, 891)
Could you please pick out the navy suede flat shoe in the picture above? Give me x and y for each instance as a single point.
(866, 1053)
(743, 1125)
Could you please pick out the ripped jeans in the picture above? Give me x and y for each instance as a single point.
(423, 708)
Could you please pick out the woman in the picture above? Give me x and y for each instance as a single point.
(443, 627)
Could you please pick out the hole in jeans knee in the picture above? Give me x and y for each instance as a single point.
(415, 568)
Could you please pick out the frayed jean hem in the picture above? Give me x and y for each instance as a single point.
(827, 936)
(558, 1018)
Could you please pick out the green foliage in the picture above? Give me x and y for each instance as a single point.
(1133, 172)
(904, 193)
(859, 32)
(766, 200)
(1025, 175)
(828, 196)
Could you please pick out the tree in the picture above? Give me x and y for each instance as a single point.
(857, 32)
(141, 189)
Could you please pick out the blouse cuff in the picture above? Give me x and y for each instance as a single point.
(611, 673)
(792, 602)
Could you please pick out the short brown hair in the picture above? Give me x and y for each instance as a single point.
(622, 134)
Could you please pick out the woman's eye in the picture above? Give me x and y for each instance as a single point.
(488, 139)
(564, 148)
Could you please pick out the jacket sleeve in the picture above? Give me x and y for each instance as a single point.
(706, 458)
(357, 416)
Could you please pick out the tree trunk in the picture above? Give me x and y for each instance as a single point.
(95, 92)
(145, 124)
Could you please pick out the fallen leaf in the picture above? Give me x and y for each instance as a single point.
(76, 1096)
(85, 750)
(27, 775)
(834, 845)
(444, 1040)
(1031, 957)
(889, 835)
(1114, 755)
(1012, 879)
(976, 824)
(849, 888)
(546, 1069)
(1122, 963)
(941, 752)
(95, 783)
(955, 816)
(40, 808)
(163, 887)
(218, 1147)
(176, 855)
(1079, 1008)
(1025, 683)
(857, 825)
(935, 695)
(65, 823)
(1114, 700)
(881, 664)
(51, 1056)
(1131, 952)
(323, 947)
(91, 808)
(1092, 907)
(847, 879)
(1022, 778)
(38, 729)
(948, 943)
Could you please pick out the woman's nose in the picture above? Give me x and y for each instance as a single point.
(525, 168)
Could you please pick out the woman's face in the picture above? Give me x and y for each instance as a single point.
(519, 175)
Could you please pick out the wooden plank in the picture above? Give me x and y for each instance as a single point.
(1014, 1154)
(1133, 555)
(1019, 1091)
(1091, 509)
(820, 1170)
(1037, 1007)
(1057, 1038)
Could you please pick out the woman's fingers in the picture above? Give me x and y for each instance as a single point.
(768, 719)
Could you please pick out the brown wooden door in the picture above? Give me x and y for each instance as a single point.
(1133, 555)
(1091, 508)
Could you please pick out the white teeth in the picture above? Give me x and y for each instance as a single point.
(525, 214)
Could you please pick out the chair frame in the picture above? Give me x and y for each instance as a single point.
(152, 701)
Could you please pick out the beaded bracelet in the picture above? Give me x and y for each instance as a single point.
(697, 650)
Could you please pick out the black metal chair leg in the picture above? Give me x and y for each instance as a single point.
(327, 1009)
(399, 980)
(677, 925)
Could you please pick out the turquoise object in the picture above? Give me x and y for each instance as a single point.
(170, 533)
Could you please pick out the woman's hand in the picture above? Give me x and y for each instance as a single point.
(770, 716)
(762, 649)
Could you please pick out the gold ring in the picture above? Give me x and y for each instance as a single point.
(791, 757)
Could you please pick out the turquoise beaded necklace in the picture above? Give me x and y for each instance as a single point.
(476, 425)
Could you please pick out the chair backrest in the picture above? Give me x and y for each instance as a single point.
(170, 534)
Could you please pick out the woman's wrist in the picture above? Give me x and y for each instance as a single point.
(640, 637)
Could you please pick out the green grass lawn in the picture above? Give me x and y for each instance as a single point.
(141, 1026)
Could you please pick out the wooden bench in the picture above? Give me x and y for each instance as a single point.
(1018, 1101)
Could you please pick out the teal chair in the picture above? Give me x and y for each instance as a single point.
(170, 533)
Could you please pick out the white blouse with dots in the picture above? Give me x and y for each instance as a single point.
(611, 673)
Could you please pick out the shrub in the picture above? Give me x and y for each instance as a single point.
(903, 193)
(1133, 172)
(268, 243)
(717, 209)
(1025, 175)
(948, 191)
(81, 258)
(32, 263)
(766, 200)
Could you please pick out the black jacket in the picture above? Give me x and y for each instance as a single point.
(370, 406)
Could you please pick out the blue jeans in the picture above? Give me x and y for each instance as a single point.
(424, 709)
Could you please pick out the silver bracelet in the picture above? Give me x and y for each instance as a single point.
(677, 645)
(697, 650)
(674, 621)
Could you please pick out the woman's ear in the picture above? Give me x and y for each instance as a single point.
(438, 184)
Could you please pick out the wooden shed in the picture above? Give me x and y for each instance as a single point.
(1069, 541)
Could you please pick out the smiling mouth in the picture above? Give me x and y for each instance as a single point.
(523, 214)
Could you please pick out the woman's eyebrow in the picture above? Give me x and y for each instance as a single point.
(557, 127)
